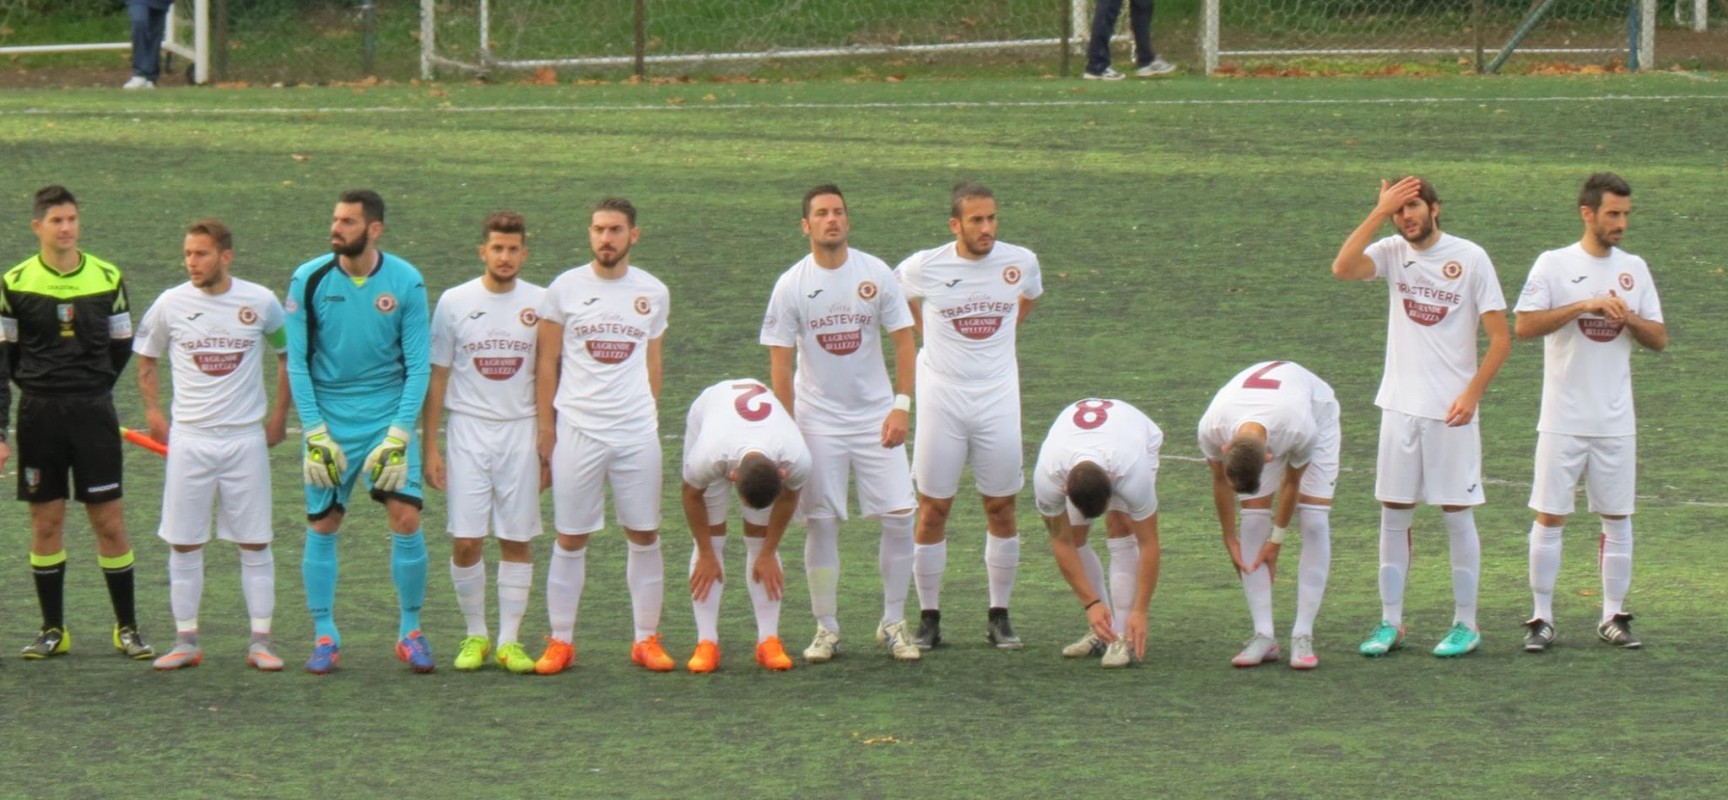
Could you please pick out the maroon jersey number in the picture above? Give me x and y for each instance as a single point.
(1259, 380)
(748, 392)
(1089, 414)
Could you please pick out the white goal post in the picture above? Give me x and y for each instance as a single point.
(482, 56)
(197, 51)
(1218, 41)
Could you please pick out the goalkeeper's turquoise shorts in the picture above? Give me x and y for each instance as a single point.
(356, 441)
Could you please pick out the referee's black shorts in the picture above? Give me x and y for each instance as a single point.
(57, 435)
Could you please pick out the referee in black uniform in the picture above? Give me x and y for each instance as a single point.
(65, 335)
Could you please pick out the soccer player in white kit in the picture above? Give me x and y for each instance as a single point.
(598, 390)
(1591, 301)
(968, 300)
(1441, 287)
(484, 334)
(214, 329)
(826, 315)
(1271, 434)
(1100, 459)
(739, 435)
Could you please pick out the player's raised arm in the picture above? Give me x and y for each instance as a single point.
(1352, 262)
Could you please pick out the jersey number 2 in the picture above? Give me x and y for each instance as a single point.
(748, 392)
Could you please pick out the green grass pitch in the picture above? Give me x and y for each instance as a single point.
(1185, 227)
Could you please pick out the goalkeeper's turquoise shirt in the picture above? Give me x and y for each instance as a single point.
(359, 349)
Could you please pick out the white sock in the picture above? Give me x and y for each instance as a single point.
(1124, 579)
(1002, 562)
(1316, 564)
(929, 561)
(822, 570)
(708, 611)
(1253, 527)
(258, 586)
(767, 611)
(645, 571)
(514, 580)
(470, 585)
(1466, 564)
(1544, 568)
(185, 588)
(894, 562)
(1094, 568)
(1616, 565)
(1394, 561)
(564, 579)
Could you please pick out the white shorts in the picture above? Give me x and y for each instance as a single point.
(229, 468)
(1135, 495)
(957, 420)
(493, 471)
(884, 480)
(714, 499)
(1320, 480)
(1608, 464)
(582, 467)
(1424, 461)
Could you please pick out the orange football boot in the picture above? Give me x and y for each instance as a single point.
(706, 658)
(649, 655)
(771, 653)
(559, 656)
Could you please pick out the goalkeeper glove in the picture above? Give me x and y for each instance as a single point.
(325, 462)
(388, 462)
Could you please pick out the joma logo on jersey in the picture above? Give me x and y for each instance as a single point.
(867, 291)
(643, 306)
(527, 317)
(1626, 281)
(247, 316)
(385, 303)
(1011, 275)
(1451, 270)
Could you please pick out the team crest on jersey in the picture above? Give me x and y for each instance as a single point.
(643, 306)
(1626, 281)
(867, 291)
(1452, 270)
(247, 315)
(1011, 275)
(527, 317)
(385, 303)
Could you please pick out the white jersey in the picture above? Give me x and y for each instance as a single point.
(1288, 400)
(1587, 363)
(216, 346)
(1113, 434)
(835, 318)
(1438, 295)
(734, 417)
(603, 385)
(971, 309)
(487, 341)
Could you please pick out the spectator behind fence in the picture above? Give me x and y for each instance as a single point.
(149, 23)
(1104, 16)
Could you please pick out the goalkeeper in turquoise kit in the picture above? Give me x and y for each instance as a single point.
(359, 358)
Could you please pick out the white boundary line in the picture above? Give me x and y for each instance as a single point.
(955, 105)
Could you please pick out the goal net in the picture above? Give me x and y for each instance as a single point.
(601, 36)
(1257, 35)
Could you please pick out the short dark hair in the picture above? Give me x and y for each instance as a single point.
(1244, 460)
(504, 222)
(215, 229)
(50, 196)
(371, 205)
(819, 190)
(1599, 183)
(1089, 489)
(1426, 191)
(966, 190)
(758, 481)
(619, 205)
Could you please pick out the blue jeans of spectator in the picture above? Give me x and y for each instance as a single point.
(148, 27)
(1104, 17)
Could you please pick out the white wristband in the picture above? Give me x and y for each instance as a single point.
(902, 402)
(1277, 536)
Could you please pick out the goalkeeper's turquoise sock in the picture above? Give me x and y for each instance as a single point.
(318, 569)
(408, 567)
